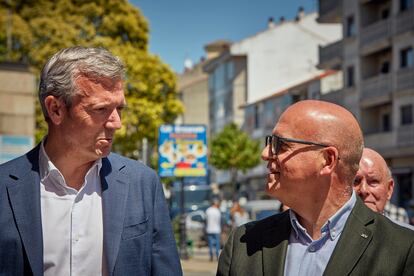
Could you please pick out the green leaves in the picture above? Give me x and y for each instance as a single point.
(233, 149)
(43, 27)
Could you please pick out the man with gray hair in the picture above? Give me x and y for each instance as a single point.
(70, 206)
(375, 185)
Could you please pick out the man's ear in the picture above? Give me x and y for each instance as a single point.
(390, 188)
(55, 109)
(331, 158)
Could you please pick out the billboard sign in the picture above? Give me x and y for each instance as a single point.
(182, 150)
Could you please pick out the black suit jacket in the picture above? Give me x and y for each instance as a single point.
(370, 244)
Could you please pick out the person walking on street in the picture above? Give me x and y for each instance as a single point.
(213, 228)
(239, 216)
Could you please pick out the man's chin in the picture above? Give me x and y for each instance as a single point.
(272, 183)
(103, 152)
(371, 206)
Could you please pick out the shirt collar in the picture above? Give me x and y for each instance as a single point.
(335, 224)
(48, 169)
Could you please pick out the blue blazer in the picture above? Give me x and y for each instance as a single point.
(138, 238)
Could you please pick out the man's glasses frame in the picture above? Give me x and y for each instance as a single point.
(277, 141)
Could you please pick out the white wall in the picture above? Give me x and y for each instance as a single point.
(285, 55)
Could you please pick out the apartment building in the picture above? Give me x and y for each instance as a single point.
(193, 93)
(377, 61)
(17, 110)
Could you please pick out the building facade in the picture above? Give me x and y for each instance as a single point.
(17, 110)
(377, 60)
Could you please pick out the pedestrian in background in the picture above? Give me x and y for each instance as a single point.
(213, 228)
(70, 206)
(239, 216)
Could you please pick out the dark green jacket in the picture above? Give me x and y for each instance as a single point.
(369, 245)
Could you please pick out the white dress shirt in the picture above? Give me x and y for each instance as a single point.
(72, 222)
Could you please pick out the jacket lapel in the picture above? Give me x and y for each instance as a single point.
(353, 241)
(114, 197)
(23, 188)
(275, 247)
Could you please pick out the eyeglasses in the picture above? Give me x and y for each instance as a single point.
(277, 141)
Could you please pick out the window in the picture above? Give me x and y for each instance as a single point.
(350, 26)
(386, 122)
(385, 67)
(406, 58)
(350, 76)
(406, 4)
(256, 117)
(406, 114)
(385, 13)
(229, 70)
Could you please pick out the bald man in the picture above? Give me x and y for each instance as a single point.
(313, 155)
(374, 183)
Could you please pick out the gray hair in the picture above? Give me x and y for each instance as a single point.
(59, 73)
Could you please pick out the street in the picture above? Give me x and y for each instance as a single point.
(199, 264)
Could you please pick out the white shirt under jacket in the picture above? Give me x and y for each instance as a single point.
(72, 222)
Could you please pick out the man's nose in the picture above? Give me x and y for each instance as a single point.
(114, 120)
(266, 153)
(363, 188)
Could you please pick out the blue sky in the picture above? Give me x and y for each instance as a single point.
(179, 29)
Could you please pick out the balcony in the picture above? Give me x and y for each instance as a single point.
(337, 97)
(375, 37)
(330, 11)
(405, 79)
(376, 90)
(404, 21)
(330, 56)
(405, 135)
(380, 140)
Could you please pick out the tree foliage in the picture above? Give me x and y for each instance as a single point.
(233, 150)
(42, 27)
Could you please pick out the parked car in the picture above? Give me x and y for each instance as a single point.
(195, 227)
(260, 209)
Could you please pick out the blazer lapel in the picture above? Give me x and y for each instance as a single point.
(275, 243)
(354, 240)
(24, 192)
(114, 197)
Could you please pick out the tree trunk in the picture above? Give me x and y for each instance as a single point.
(233, 180)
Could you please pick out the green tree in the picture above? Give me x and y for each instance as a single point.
(233, 150)
(42, 27)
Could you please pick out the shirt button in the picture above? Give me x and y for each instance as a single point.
(312, 249)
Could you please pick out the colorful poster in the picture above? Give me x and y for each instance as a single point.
(182, 150)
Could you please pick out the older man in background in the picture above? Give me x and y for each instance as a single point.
(375, 185)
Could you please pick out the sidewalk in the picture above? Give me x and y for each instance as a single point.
(199, 264)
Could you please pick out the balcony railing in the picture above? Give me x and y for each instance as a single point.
(376, 32)
(330, 11)
(404, 21)
(337, 97)
(376, 87)
(405, 135)
(405, 79)
(330, 55)
(380, 140)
